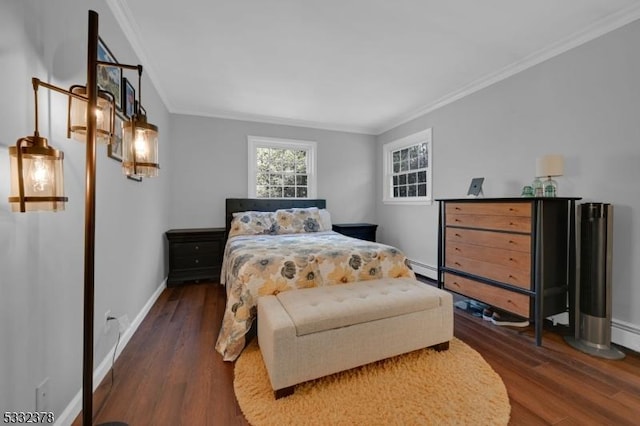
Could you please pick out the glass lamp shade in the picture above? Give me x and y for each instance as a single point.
(37, 181)
(77, 119)
(140, 148)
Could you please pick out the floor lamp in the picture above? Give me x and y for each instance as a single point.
(37, 181)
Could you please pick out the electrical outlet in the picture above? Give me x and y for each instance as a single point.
(107, 325)
(42, 396)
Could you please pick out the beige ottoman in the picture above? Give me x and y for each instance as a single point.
(310, 333)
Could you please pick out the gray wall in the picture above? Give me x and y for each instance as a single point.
(210, 161)
(583, 104)
(41, 254)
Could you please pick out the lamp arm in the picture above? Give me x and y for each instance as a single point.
(37, 82)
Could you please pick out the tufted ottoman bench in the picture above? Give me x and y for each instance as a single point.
(310, 333)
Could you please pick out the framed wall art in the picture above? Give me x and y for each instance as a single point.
(114, 150)
(109, 78)
(128, 98)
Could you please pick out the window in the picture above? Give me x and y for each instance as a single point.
(281, 168)
(407, 165)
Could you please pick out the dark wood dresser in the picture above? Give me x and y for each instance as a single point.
(515, 254)
(195, 254)
(363, 231)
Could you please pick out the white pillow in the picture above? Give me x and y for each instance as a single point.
(325, 220)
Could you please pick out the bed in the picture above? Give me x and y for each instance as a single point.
(283, 245)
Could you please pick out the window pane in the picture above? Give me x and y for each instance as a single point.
(275, 192)
(412, 178)
(422, 176)
(289, 160)
(276, 180)
(403, 191)
(402, 179)
(262, 179)
(396, 161)
(413, 157)
(404, 166)
(301, 192)
(262, 159)
(395, 191)
(395, 180)
(301, 180)
(262, 192)
(404, 154)
(301, 161)
(289, 179)
(289, 192)
(423, 156)
(422, 190)
(411, 191)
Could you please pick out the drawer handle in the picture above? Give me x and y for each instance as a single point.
(511, 223)
(457, 263)
(458, 235)
(511, 259)
(197, 247)
(456, 248)
(456, 220)
(512, 277)
(511, 242)
(457, 208)
(197, 261)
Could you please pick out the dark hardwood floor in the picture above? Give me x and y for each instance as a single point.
(170, 374)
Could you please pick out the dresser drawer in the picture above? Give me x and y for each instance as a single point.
(517, 242)
(508, 258)
(199, 248)
(188, 262)
(491, 209)
(499, 223)
(516, 277)
(498, 297)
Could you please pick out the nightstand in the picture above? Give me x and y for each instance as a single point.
(195, 254)
(363, 231)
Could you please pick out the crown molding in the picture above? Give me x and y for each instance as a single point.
(267, 119)
(124, 17)
(131, 31)
(593, 31)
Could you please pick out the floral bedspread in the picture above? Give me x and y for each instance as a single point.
(259, 265)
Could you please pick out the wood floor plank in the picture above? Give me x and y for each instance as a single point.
(170, 374)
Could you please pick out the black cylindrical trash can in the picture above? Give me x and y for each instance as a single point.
(593, 325)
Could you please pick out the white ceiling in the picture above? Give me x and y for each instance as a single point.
(355, 65)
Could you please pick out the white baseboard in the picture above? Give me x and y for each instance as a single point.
(622, 333)
(100, 372)
(625, 334)
(423, 269)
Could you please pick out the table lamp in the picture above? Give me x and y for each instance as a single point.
(550, 166)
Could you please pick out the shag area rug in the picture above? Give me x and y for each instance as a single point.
(423, 387)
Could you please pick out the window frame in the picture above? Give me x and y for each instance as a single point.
(255, 142)
(387, 158)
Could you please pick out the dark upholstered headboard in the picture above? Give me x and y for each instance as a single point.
(266, 205)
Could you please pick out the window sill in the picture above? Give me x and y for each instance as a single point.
(410, 202)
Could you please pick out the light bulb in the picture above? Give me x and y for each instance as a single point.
(40, 174)
(140, 145)
(99, 118)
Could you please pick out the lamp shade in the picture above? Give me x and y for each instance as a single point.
(37, 181)
(140, 147)
(550, 165)
(77, 117)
